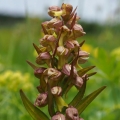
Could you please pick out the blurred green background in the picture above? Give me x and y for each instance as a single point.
(16, 37)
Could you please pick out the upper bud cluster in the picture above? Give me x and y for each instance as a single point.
(62, 54)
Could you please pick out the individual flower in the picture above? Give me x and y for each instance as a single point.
(72, 113)
(41, 100)
(38, 72)
(44, 58)
(67, 70)
(58, 116)
(67, 9)
(55, 11)
(83, 56)
(77, 31)
(56, 91)
(48, 40)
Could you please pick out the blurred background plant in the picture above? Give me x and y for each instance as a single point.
(102, 40)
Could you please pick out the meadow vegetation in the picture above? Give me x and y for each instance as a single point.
(102, 41)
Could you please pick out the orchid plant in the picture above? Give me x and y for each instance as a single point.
(59, 68)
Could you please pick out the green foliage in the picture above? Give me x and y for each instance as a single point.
(15, 40)
(33, 110)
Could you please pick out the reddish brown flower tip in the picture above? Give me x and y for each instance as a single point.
(62, 51)
(41, 100)
(72, 113)
(38, 72)
(78, 82)
(78, 31)
(71, 44)
(52, 74)
(67, 69)
(58, 116)
(56, 90)
(55, 8)
(43, 56)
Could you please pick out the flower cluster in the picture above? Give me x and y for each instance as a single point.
(59, 58)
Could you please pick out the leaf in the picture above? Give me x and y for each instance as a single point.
(84, 70)
(88, 99)
(35, 113)
(79, 96)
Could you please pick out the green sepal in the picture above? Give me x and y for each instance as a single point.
(91, 74)
(32, 65)
(35, 113)
(37, 49)
(79, 95)
(88, 99)
(84, 70)
(60, 103)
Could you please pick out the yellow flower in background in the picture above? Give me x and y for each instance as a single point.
(87, 48)
(116, 53)
(95, 52)
(14, 81)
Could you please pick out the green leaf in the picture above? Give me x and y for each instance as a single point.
(79, 96)
(88, 99)
(35, 113)
(84, 70)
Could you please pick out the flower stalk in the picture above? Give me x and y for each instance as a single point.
(63, 55)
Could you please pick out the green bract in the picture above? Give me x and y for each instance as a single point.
(61, 53)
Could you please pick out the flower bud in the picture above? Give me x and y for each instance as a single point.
(72, 45)
(67, 69)
(54, 11)
(62, 51)
(52, 74)
(58, 116)
(77, 31)
(67, 9)
(57, 25)
(41, 100)
(72, 113)
(56, 91)
(38, 72)
(78, 82)
(41, 59)
(52, 21)
(48, 40)
(83, 56)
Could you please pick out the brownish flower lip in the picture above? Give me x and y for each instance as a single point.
(41, 100)
(56, 90)
(72, 113)
(58, 116)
